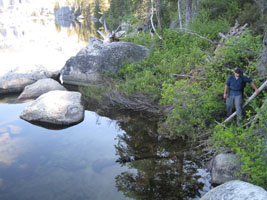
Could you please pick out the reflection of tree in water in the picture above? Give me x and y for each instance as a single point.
(86, 28)
(165, 169)
(111, 10)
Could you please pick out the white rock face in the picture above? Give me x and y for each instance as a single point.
(236, 190)
(40, 87)
(60, 108)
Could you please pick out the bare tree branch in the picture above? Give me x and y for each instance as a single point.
(188, 76)
(255, 117)
(213, 42)
(179, 13)
(151, 19)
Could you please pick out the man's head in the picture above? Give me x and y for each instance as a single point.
(237, 71)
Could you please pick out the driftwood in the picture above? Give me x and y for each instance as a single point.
(246, 103)
(110, 36)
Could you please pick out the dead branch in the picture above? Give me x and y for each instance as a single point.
(188, 76)
(179, 13)
(254, 118)
(220, 124)
(236, 31)
(151, 19)
(221, 43)
(110, 36)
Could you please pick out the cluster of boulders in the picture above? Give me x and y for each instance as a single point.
(54, 106)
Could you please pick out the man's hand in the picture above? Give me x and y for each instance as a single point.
(257, 91)
(255, 88)
(225, 91)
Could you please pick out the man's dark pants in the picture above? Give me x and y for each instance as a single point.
(237, 101)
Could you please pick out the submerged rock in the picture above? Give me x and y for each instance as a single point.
(40, 87)
(236, 190)
(58, 108)
(15, 80)
(92, 61)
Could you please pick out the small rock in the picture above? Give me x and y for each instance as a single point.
(40, 87)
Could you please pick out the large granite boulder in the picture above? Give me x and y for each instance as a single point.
(40, 87)
(55, 109)
(236, 190)
(90, 63)
(223, 168)
(15, 80)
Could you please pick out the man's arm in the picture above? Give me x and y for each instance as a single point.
(225, 91)
(255, 88)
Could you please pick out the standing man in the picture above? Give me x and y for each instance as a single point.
(236, 84)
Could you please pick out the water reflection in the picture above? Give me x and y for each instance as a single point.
(34, 41)
(74, 163)
(165, 169)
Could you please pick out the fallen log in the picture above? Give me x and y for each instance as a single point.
(248, 100)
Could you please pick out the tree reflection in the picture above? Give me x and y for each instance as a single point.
(164, 168)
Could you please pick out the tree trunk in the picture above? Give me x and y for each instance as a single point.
(159, 13)
(189, 11)
(179, 14)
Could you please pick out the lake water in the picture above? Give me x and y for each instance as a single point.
(114, 156)
(75, 163)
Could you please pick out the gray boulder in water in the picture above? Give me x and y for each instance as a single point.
(16, 80)
(40, 87)
(90, 63)
(55, 109)
(236, 190)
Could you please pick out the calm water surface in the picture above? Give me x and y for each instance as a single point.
(73, 163)
(99, 158)
(102, 158)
